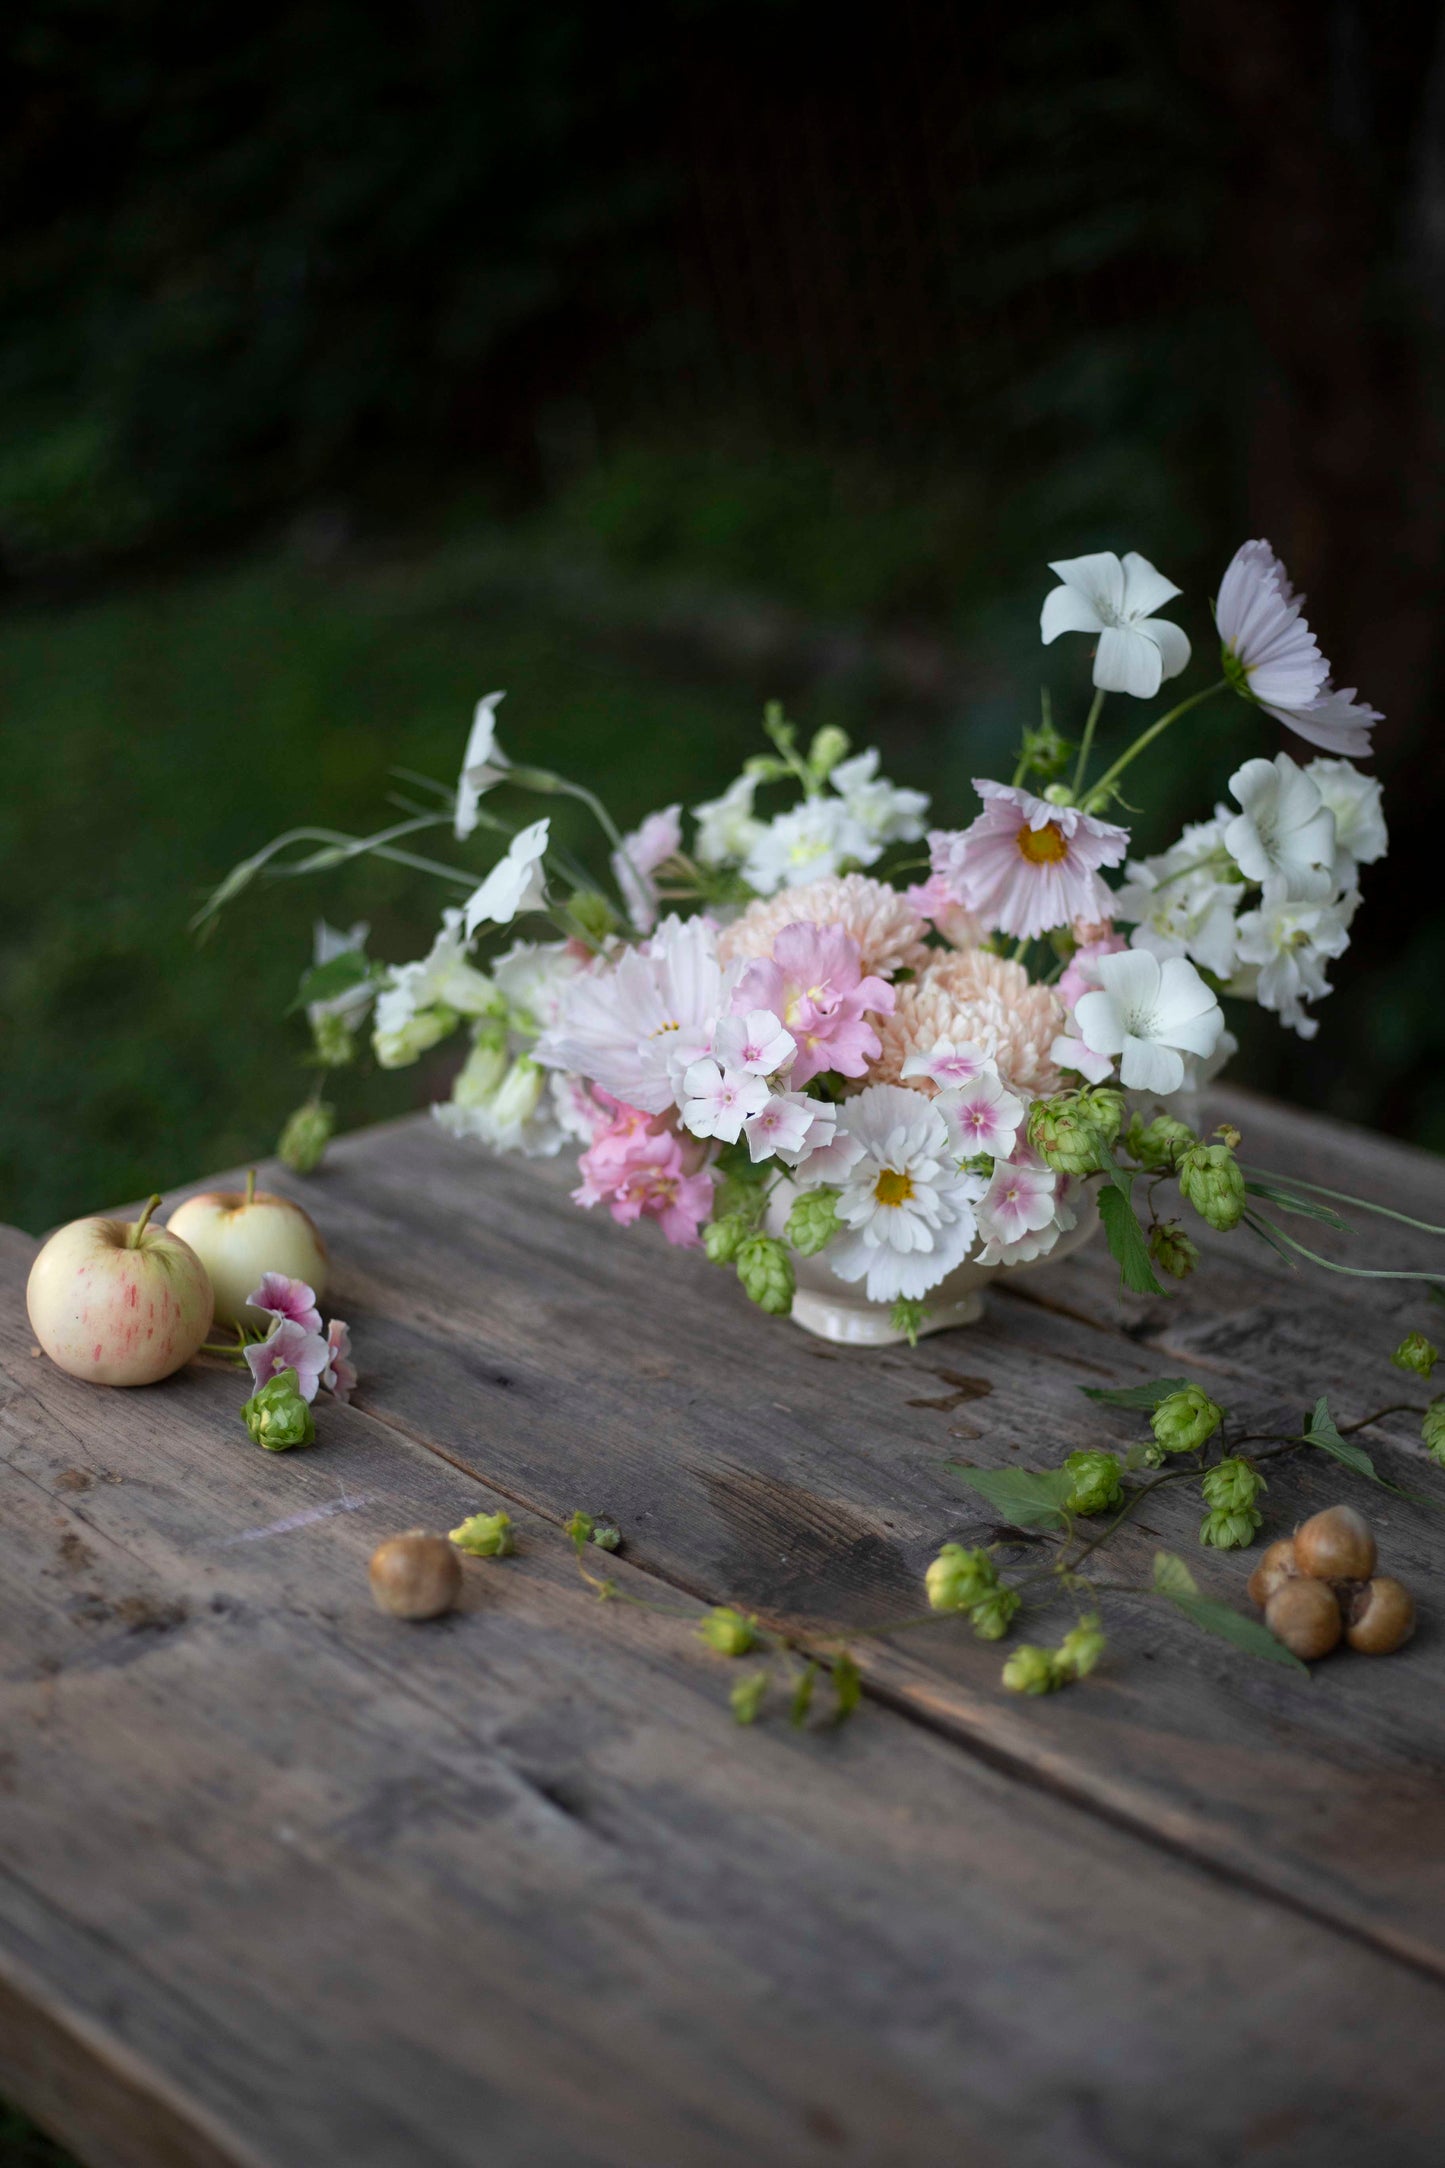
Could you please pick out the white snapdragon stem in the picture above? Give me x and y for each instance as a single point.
(1098, 795)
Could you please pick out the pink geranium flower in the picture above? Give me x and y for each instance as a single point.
(282, 1297)
(638, 1168)
(813, 981)
(1027, 866)
(339, 1376)
(290, 1347)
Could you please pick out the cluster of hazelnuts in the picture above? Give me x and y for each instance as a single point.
(1320, 1585)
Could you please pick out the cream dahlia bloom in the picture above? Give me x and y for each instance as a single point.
(888, 931)
(981, 999)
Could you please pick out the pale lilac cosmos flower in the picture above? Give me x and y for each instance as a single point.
(283, 1297)
(648, 847)
(1270, 655)
(1026, 866)
(790, 1127)
(290, 1347)
(715, 1100)
(814, 981)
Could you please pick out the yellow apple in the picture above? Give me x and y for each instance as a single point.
(240, 1236)
(118, 1302)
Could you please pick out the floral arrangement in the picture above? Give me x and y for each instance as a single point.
(781, 1032)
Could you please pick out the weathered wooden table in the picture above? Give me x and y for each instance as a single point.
(283, 1881)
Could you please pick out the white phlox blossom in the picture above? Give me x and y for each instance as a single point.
(1149, 1015)
(1183, 901)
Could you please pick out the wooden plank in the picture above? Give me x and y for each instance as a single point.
(535, 1346)
(286, 1882)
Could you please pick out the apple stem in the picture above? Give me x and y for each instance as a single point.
(138, 1227)
(251, 1187)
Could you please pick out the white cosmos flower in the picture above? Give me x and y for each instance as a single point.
(727, 828)
(716, 1101)
(1116, 598)
(1361, 837)
(635, 1025)
(483, 763)
(790, 1127)
(1271, 655)
(809, 842)
(1182, 902)
(515, 884)
(1150, 1014)
(1284, 828)
(1289, 940)
(885, 813)
(906, 1207)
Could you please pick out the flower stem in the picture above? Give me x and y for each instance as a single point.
(1101, 789)
(1342, 1196)
(138, 1227)
(1086, 743)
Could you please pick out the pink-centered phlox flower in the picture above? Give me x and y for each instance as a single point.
(790, 1127)
(284, 1297)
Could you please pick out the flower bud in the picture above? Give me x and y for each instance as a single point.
(593, 913)
(1432, 1430)
(722, 1238)
(957, 1578)
(1080, 1649)
(485, 1535)
(1416, 1353)
(481, 1075)
(1031, 1670)
(277, 1416)
(813, 1221)
(302, 1144)
(728, 1631)
(1185, 1420)
(396, 1049)
(1210, 1177)
(1096, 1480)
(829, 746)
(1232, 1484)
(1172, 1250)
(1160, 1144)
(766, 1272)
(332, 1043)
(1230, 1528)
(993, 1614)
(607, 1536)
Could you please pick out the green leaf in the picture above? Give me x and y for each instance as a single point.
(1321, 1431)
(1125, 1237)
(1172, 1577)
(746, 1698)
(1304, 1206)
(847, 1686)
(802, 1700)
(1019, 1495)
(1230, 1625)
(324, 981)
(1135, 1396)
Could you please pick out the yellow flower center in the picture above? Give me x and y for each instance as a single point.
(893, 1188)
(1043, 846)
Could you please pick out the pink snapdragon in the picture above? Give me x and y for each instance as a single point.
(279, 1296)
(814, 982)
(290, 1347)
(1026, 865)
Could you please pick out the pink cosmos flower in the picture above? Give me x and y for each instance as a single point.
(339, 1376)
(648, 847)
(1027, 866)
(814, 982)
(790, 1127)
(1082, 975)
(282, 1297)
(1271, 655)
(716, 1100)
(982, 1116)
(950, 1064)
(290, 1347)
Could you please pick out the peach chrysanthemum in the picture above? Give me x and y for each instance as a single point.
(980, 998)
(888, 931)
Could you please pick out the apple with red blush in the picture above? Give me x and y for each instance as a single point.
(119, 1302)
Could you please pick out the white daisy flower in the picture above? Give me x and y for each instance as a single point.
(1116, 598)
(1284, 829)
(1150, 1015)
(906, 1207)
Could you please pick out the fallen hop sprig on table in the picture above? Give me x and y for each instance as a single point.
(485, 1535)
(277, 1416)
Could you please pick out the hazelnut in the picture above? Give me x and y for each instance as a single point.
(1335, 1546)
(415, 1575)
(1276, 1566)
(1379, 1617)
(1305, 1616)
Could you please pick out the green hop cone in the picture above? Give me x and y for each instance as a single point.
(1210, 1177)
(993, 1614)
(303, 1142)
(728, 1631)
(1232, 1484)
(1080, 1649)
(1230, 1528)
(723, 1238)
(484, 1535)
(1064, 1137)
(1185, 1420)
(766, 1272)
(607, 1536)
(1432, 1430)
(813, 1221)
(957, 1579)
(1103, 1109)
(277, 1416)
(1032, 1670)
(1160, 1144)
(1416, 1353)
(1096, 1480)
(1172, 1250)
